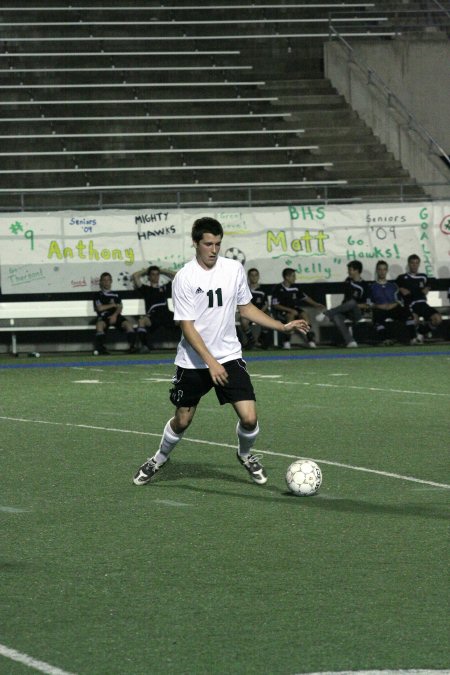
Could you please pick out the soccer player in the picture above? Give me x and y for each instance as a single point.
(206, 293)
(259, 298)
(155, 294)
(386, 305)
(356, 294)
(286, 299)
(108, 307)
(414, 286)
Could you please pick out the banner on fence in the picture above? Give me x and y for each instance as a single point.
(65, 251)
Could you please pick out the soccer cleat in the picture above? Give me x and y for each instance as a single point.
(287, 345)
(312, 344)
(146, 472)
(419, 340)
(255, 469)
(321, 317)
(352, 345)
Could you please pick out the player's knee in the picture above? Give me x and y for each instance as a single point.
(249, 422)
(436, 319)
(181, 421)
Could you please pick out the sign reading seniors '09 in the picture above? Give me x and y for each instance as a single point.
(64, 252)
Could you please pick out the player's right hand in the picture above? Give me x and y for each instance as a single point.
(218, 374)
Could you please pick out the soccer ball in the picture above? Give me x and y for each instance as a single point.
(304, 477)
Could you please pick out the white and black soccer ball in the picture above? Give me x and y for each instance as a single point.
(235, 254)
(304, 477)
(125, 279)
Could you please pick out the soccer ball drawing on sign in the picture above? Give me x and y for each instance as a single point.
(235, 254)
(304, 477)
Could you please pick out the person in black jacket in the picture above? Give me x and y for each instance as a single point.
(355, 301)
(287, 300)
(259, 299)
(414, 287)
(108, 307)
(157, 316)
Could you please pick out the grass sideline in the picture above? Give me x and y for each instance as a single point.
(203, 571)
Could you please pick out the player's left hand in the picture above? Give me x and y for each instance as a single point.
(299, 325)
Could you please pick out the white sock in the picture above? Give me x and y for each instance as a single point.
(246, 439)
(168, 442)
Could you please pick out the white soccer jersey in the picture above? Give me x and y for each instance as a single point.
(209, 298)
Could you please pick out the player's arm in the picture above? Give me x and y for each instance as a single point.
(278, 307)
(192, 336)
(403, 291)
(109, 305)
(385, 305)
(167, 273)
(312, 302)
(136, 277)
(252, 313)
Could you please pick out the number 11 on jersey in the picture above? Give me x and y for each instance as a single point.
(210, 295)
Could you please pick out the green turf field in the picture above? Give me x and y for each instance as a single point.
(203, 571)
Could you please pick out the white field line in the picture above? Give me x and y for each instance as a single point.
(43, 667)
(355, 386)
(228, 445)
(381, 672)
(394, 391)
(169, 502)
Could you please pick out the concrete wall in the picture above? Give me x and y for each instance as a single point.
(418, 73)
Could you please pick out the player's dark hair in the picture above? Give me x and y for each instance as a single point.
(287, 271)
(355, 265)
(381, 262)
(105, 274)
(413, 256)
(153, 268)
(252, 269)
(206, 225)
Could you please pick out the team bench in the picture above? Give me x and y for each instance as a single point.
(436, 299)
(54, 315)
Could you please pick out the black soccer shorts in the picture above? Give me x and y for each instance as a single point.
(191, 384)
(119, 321)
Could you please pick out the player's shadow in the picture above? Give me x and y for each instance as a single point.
(193, 471)
(196, 470)
(326, 503)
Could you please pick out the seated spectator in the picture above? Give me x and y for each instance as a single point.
(108, 306)
(259, 298)
(356, 295)
(286, 299)
(158, 317)
(387, 307)
(414, 287)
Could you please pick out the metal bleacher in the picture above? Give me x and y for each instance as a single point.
(113, 105)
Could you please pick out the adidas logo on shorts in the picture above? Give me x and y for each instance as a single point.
(199, 290)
